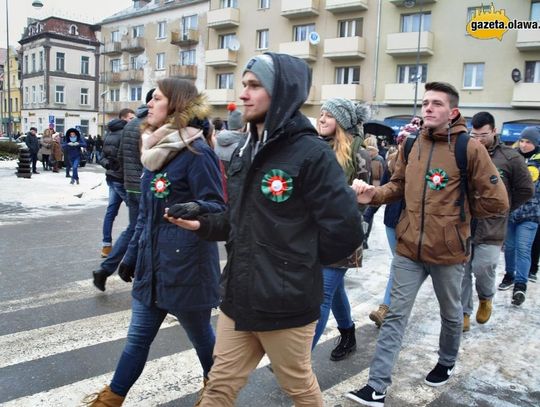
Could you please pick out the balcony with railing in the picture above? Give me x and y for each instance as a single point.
(132, 75)
(528, 40)
(526, 94)
(110, 77)
(221, 57)
(111, 48)
(406, 44)
(345, 6)
(349, 91)
(183, 71)
(220, 96)
(223, 18)
(300, 49)
(185, 38)
(345, 47)
(299, 8)
(136, 44)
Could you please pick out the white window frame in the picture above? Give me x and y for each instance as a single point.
(135, 93)
(411, 22)
(301, 32)
(353, 27)
(85, 63)
(34, 66)
(84, 97)
(116, 65)
(225, 39)
(41, 93)
(161, 30)
(61, 61)
(59, 94)
(160, 61)
(188, 57)
(115, 36)
(34, 94)
(345, 75)
(475, 77)
(404, 73)
(229, 4)
(225, 80)
(532, 72)
(138, 31)
(40, 61)
(114, 95)
(264, 4)
(263, 39)
(26, 64)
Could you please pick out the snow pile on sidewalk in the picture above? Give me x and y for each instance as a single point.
(48, 193)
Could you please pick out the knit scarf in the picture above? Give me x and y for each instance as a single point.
(162, 145)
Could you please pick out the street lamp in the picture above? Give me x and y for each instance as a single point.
(35, 4)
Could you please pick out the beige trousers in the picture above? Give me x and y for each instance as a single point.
(237, 353)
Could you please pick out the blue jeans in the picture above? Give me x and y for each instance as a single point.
(120, 246)
(392, 242)
(144, 326)
(517, 249)
(335, 298)
(117, 194)
(74, 168)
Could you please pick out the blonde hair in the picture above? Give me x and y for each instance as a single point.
(342, 145)
(371, 141)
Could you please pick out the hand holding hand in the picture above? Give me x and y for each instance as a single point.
(364, 191)
(126, 272)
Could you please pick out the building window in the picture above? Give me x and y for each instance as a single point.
(85, 65)
(41, 61)
(60, 61)
(115, 36)
(262, 39)
(411, 22)
(16, 104)
(161, 28)
(264, 4)
(225, 81)
(34, 62)
(41, 94)
(532, 71)
(85, 127)
(229, 3)
(190, 23)
(188, 57)
(473, 76)
(60, 125)
(225, 39)
(135, 93)
(347, 75)
(472, 10)
(84, 96)
(115, 65)
(135, 63)
(26, 64)
(301, 32)
(59, 94)
(114, 95)
(350, 28)
(160, 61)
(138, 31)
(26, 98)
(34, 94)
(407, 73)
(535, 11)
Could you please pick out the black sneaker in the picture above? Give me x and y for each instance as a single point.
(506, 283)
(367, 396)
(518, 297)
(439, 375)
(532, 278)
(100, 277)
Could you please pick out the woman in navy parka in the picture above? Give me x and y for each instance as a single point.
(173, 270)
(72, 146)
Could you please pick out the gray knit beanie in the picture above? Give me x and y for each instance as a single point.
(348, 114)
(262, 67)
(531, 133)
(234, 120)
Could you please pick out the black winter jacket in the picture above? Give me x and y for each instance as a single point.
(276, 242)
(130, 152)
(111, 145)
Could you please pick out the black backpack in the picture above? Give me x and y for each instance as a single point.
(461, 161)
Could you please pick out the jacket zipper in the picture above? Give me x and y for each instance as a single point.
(422, 219)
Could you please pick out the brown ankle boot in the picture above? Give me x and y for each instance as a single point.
(105, 398)
(201, 392)
(379, 315)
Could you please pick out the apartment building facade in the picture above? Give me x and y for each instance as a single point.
(382, 52)
(13, 95)
(59, 81)
(147, 42)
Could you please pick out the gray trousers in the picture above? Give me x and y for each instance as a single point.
(408, 278)
(483, 264)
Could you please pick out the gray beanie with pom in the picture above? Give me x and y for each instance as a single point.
(347, 113)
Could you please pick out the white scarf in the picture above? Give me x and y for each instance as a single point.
(162, 145)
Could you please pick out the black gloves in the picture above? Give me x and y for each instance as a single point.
(187, 210)
(126, 272)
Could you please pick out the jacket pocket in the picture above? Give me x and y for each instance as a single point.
(179, 257)
(281, 281)
(456, 238)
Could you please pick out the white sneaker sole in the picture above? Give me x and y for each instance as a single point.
(363, 402)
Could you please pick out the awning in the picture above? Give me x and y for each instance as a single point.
(397, 122)
(510, 131)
